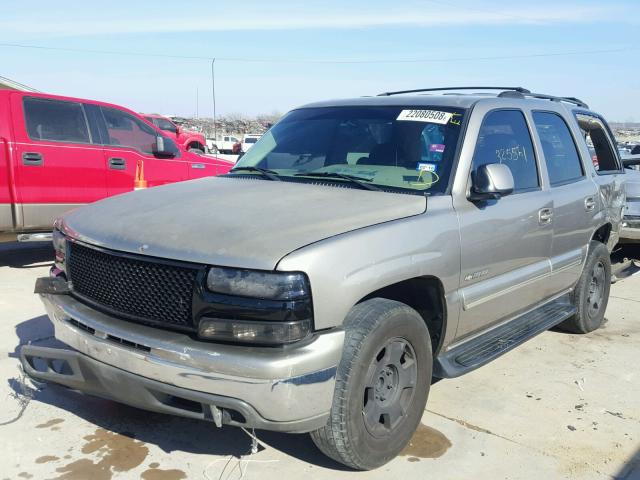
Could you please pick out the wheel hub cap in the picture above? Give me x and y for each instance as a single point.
(596, 289)
(391, 379)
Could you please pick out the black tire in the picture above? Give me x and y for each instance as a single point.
(591, 294)
(197, 151)
(378, 331)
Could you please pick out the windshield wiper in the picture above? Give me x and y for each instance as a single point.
(270, 174)
(360, 181)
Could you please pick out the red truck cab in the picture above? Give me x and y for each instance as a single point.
(57, 153)
(188, 139)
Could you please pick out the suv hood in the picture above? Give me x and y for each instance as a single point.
(236, 222)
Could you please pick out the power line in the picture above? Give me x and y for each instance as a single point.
(325, 62)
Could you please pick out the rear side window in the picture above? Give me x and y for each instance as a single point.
(560, 153)
(128, 131)
(504, 138)
(55, 120)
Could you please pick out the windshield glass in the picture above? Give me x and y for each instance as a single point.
(401, 148)
(250, 140)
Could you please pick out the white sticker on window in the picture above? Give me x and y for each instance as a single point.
(428, 116)
(426, 167)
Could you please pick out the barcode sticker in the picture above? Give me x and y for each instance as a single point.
(427, 116)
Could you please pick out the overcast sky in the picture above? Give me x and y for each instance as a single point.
(272, 56)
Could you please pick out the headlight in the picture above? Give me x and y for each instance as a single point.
(60, 248)
(264, 285)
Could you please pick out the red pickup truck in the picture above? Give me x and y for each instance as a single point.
(188, 139)
(58, 152)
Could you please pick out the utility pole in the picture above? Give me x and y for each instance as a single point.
(213, 92)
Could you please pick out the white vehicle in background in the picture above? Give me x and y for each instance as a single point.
(630, 228)
(249, 140)
(222, 145)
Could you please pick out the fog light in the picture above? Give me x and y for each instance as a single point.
(259, 333)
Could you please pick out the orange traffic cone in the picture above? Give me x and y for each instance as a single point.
(139, 183)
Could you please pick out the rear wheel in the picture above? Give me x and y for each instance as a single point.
(591, 294)
(382, 385)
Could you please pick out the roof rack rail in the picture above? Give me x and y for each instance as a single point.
(400, 92)
(544, 96)
(512, 92)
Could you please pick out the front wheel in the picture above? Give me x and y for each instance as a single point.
(591, 294)
(382, 385)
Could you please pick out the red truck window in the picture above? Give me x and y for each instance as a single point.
(126, 130)
(166, 125)
(55, 120)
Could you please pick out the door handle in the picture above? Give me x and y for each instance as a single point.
(116, 163)
(32, 159)
(197, 165)
(589, 204)
(545, 216)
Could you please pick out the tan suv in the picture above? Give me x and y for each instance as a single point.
(360, 249)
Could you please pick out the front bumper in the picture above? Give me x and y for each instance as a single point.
(285, 389)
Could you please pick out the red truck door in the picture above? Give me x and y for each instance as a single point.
(206, 165)
(59, 163)
(129, 141)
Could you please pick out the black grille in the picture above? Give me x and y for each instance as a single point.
(131, 287)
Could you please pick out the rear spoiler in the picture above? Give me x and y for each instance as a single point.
(631, 160)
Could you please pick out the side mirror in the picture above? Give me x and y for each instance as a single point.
(491, 181)
(162, 148)
(177, 130)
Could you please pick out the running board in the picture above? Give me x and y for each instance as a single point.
(481, 350)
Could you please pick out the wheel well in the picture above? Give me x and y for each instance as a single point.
(196, 145)
(426, 296)
(602, 234)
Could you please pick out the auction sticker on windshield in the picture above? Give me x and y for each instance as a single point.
(428, 116)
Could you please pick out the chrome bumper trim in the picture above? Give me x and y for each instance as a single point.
(82, 373)
(281, 384)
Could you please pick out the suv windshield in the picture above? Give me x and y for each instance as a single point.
(396, 148)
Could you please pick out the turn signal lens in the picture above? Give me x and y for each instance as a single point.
(258, 333)
(60, 248)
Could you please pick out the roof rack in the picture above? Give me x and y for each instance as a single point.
(574, 100)
(399, 92)
(510, 92)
